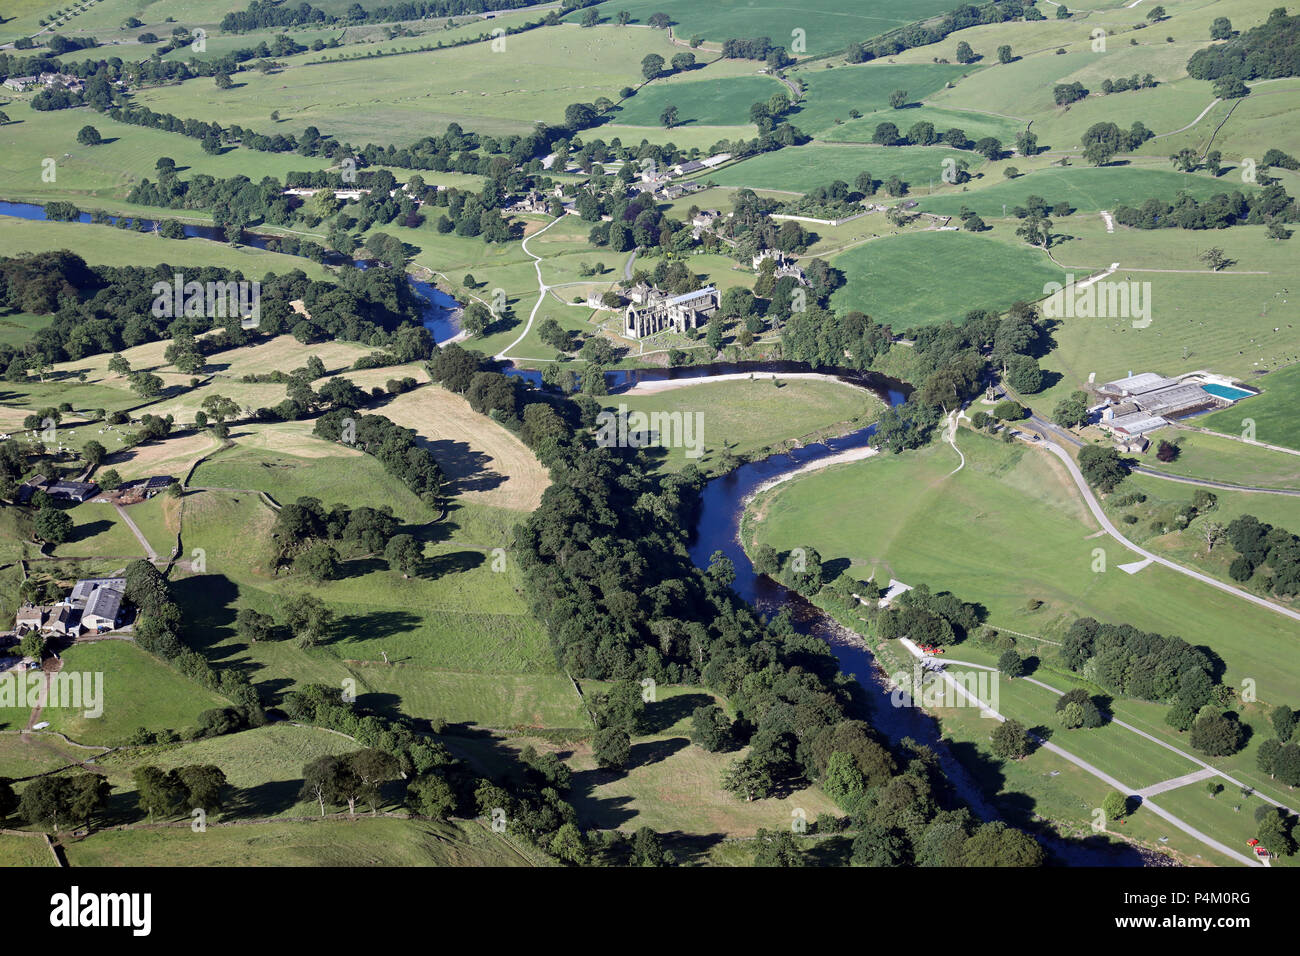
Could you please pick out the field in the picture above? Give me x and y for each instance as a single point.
(138, 691)
(485, 463)
(1241, 321)
(110, 246)
(1086, 189)
(399, 98)
(747, 418)
(828, 25)
(1273, 411)
(831, 94)
(802, 168)
(705, 102)
(326, 843)
(938, 276)
(101, 176)
(1009, 527)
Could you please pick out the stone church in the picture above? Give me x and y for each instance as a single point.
(652, 311)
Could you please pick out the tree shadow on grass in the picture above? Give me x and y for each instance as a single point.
(83, 532)
(374, 626)
(457, 561)
(466, 468)
(649, 752)
(662, 714)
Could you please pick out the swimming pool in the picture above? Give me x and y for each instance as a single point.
(1226, 391)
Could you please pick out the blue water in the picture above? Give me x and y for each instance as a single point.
(441, 313)
(1227, 391)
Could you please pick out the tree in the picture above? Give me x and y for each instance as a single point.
(749, 778)
(1072, 412)
(710, 728)
(1024, 375)
(1221, 29)
(964, 53)
(119, 365)
(1274, 833)
(898, 99)
(1036, 230)
(668, 118)
(1011, 664)
(319, 561)
(53, 526)
(1283, 719)
(1011, 740)
(1102, 466)
(1166, 451)
(159, 793)
(89, 136)
(404, 554)
(1217, 735)
(683, 62)
(652, 65)
(146, 384)
(1155, 14)
(1099, 152)
(110, 479)
(1004, 53)
(1114, 805)
(776, 848)
(612, 747)
(1216, 258)
(1186, 160)
(307, 618)
(878, 845)
(93, 452)
(1211, 533)
(253, 626)
(430, 795)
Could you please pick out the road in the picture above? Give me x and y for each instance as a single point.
(1086, 766)
(139, 535)
(542, 289)
(1047, 428)
(1095, 507)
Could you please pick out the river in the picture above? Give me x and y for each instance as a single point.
(718, 529)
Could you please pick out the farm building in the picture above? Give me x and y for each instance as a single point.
(1144, 402)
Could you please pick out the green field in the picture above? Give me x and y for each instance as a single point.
(25, 851)
(110, 246)
(263, 766)
(1230, 322)
(749, 418)
(1009, 527)
(398, 99)
(830, 94)
(101, 176)
(976, 125)
(328, 843)
(699, 102)
(1273, 410)
(829, 25)
(922, 279)
(802, 168)
(1087, 189)
(138, 691)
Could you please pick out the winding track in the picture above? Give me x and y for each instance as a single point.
(1095, 507)
(542, 289)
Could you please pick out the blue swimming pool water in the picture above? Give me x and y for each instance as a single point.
(1227, 391)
